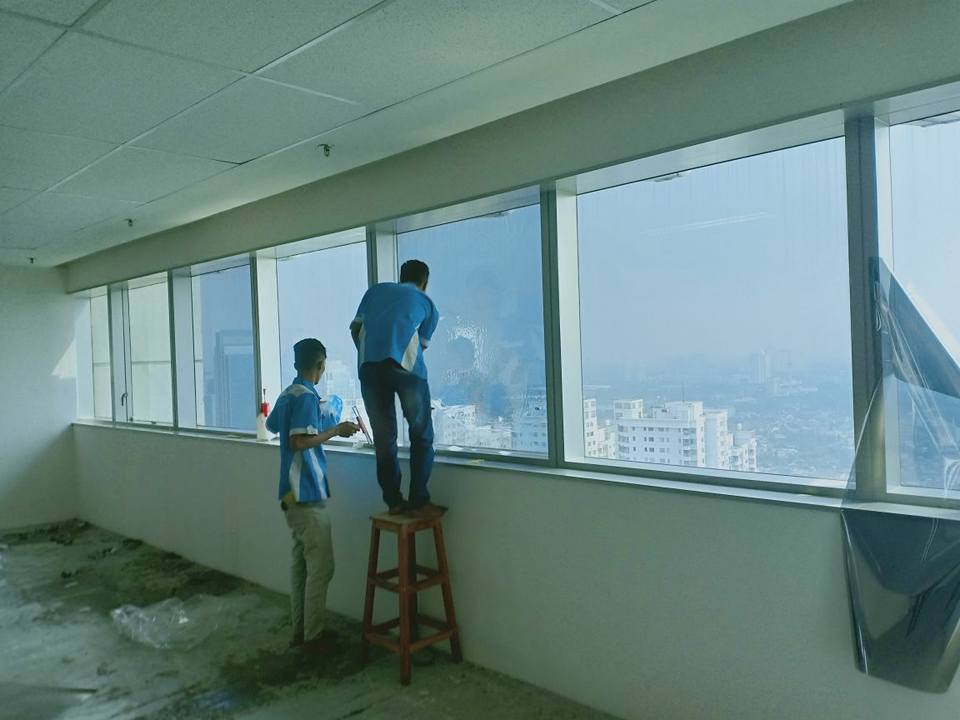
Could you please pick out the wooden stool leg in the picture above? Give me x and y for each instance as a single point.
(371, 589)
(414, 604)
(403, 550)
(451, 614)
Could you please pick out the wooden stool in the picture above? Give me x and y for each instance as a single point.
(408, 579)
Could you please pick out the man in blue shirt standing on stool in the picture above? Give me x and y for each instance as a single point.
(393, 326)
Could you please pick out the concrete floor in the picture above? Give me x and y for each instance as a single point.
(65, 658)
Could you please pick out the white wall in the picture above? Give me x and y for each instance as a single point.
(38, 398)
(639, 602)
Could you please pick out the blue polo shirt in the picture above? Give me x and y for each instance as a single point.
(301, 411)
(395, 321)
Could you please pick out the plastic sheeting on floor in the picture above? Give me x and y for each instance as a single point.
(175, 624)
(903, 570)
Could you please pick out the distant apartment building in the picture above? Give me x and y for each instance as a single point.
(627, 409)
(455, 424)
(762, 367)
(600, 441)
(743, 451)
(683, 433)
(668, 434)
(494, 437)
(529, 429)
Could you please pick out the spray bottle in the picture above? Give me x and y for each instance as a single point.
(262, 434)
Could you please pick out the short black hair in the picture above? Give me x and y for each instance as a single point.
(415, 271)
(308, 353)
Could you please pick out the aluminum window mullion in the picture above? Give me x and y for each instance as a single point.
(266, 328)
(866, 165)
(119, 334)
(551, 324)
(565, 345)
(180, 301)
(382, 253)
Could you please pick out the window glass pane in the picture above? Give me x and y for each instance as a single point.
(715, 317)
(318, 294)
(486, 360)
(151, 392)
(223, 350)
(100, 334)
(925, 177)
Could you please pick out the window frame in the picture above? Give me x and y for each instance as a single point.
(121, 361)
(865, 134)
(267, 317)
(384, 266)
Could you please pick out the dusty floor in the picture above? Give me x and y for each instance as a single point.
(65, 658)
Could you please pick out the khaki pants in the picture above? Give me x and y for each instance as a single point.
(311, 568)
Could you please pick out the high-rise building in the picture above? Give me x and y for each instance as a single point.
(529, 428)
(716, 439)
(600, 441)
(455, 424)
(743, 450)
(684, 433)
(627, 409)
(761, 367)
(670, 434)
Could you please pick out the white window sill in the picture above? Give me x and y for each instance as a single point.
(696, 487)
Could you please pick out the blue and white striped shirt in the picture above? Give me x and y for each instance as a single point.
(301, 411)
(395, 321)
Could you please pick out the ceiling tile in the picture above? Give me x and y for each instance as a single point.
(414, 45)
(249, 119)
(65, 213)
(65, 12)
(628, 4)
(137, 174)
(11, 197)
(244, 34)
(99, 89)
(16, 235)
(38, 160)
(21, 42)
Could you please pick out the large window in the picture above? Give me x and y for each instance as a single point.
(150, 388)
(698, 315)
(223, 349)
(92, 344)
(715, 316)
(924, 415)
(486, 360)
(318, 294)
(100, 355)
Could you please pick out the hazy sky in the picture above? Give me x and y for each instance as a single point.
(926, 221)
(319, 294)
(723, 261)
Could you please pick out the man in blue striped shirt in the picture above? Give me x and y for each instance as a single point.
(304, 421)
(392, 328)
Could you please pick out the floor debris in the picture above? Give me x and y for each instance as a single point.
(241, 667)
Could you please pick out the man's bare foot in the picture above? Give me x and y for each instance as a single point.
(427, 510)
(397, 509)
